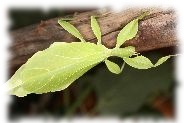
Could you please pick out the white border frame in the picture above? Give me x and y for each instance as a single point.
(114, 4)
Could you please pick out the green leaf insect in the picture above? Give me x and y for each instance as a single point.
(56, 67)
(113, 67)
(96, 29)
(71, 29)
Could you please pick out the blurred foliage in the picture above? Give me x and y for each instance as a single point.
(24, 17)
(127, 92)
(130, 93)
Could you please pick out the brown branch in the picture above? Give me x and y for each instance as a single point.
(155, 31)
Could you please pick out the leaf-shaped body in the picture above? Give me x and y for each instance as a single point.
(56, 68)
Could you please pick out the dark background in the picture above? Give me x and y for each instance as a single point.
(99, 92)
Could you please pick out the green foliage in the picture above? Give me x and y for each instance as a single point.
(127, 92)
(55, 68)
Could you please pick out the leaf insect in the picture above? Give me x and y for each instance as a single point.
(56, 67)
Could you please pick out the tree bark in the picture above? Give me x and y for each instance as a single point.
(156, 30)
